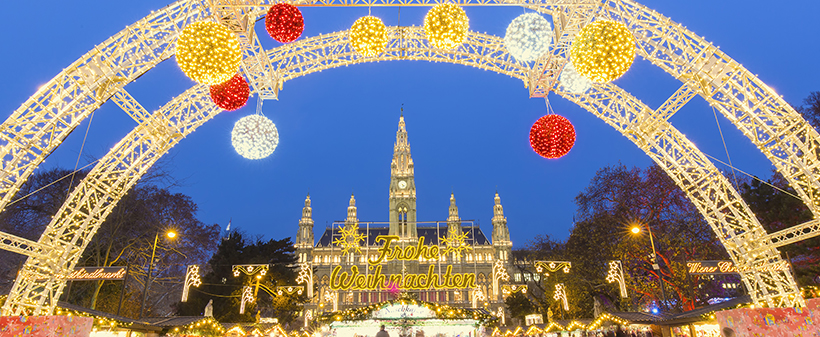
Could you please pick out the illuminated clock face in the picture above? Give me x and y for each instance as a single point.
(402, 184)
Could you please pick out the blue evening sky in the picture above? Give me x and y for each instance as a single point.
(468, 128)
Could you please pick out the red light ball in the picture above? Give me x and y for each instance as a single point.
(284, 22)
(552, 136)
(232, 94)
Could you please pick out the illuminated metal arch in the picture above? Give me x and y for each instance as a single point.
(36, 128)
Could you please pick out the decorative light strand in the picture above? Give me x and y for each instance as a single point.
(284, 22)
(247, 296)
(616, 274)
(191, 279)
(446, 25)
(208, 52)
(528, 37)
(368, 36)
(603, 51)
(552, 136)
(254, 137)
(561, 295)
(231, 95)
(573, 81)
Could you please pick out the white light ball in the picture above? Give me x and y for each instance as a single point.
(528, 37)
(254, 137)
(573, 81)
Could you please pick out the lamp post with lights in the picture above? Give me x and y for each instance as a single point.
(636, 229)
(170, 235)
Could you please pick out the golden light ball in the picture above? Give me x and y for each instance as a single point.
(368, 36)
(603, 51)
(446, 25)
(208, 53)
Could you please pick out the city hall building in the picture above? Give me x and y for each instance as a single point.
(449, 262)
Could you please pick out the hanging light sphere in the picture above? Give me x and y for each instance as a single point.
(232, 94)
(208, 52)
(284, 22)
(368, 36)
(254, 137)
(552, 136)
(572, 81)
(528, 37)
(603, 51)
(446, 25)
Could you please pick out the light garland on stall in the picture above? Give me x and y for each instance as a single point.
(572, 81)
(446, 25)
(208, 52)
(603, 51)
(232, 94)
(442, 312)
(254, 137)
(552, 136)
(368, 36)
(528, 37)
(284, 22)
(204, 327)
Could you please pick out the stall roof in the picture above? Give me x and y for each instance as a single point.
(696, 315)
(142, 325)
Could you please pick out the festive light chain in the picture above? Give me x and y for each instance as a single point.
(528, 37)
(446, 25)
(204, 327)
(254, 137)
(572, 81)
(552, 136)
(232, 94)
(284, 22)
(603, 51)
(208, 52)
(368, 36)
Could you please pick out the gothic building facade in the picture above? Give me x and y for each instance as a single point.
(352, 247)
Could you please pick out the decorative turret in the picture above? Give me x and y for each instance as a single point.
(501, 234)
(453, 221)
(304, 240)
(351, 211)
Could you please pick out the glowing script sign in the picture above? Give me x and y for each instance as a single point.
(96, 273)
(728, 267)
(397, 311)
(373, 279)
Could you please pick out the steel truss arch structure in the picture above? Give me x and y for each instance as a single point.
(45, 119)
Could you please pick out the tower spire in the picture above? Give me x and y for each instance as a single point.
(402, 187)
(501, 234)
(304, 239)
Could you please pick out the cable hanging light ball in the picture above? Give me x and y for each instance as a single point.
(603, 51)
(368, 36)
(528, 37)
(232, 94)
(208, 52)
(254, 137)
(552, 136)
(572, 81)
(284, 22)
(446, 25)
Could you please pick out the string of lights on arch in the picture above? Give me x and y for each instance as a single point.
(210, 54)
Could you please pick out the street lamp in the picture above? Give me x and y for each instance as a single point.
(170, 235)
(637, 229)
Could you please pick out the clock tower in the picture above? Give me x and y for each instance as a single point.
(402, 189)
